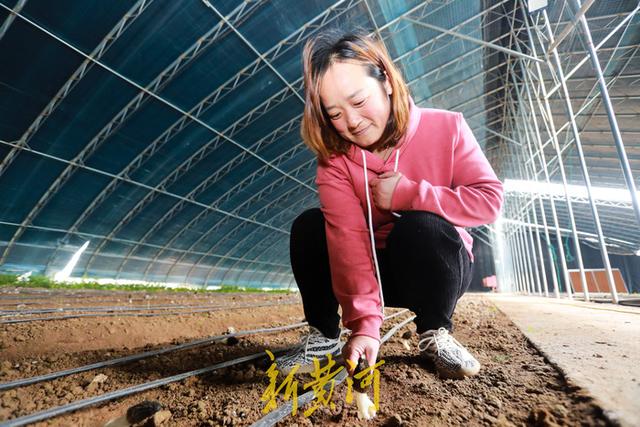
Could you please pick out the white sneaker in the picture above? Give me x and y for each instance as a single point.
(312, 346)
(450, 358)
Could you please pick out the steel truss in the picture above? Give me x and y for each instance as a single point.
(523, 92)
(531, 89)
(290, 123)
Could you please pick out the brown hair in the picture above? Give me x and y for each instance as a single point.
(319, 54)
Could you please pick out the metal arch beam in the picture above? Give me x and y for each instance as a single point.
(185, 167)
(245, 183)
(565, 32)
(474, 40)
(256, 272)
(612, 226)
(586, 104)
(64, 176)
(602, 49)
(239, 228)
(598, 47)
(279, 217)
(508, 101)
(253, 199)
(375, 24)
(260, 280)
(279, 199)
(48, 156)
(252, 47)
(215, 266)
(256, 197)
(9, 19)
(204, 152)
(111, 37)
(431, 42)
(525, 86)
(624, 163)
(562, 170)
(459, 25)
(258, 173)
(275, 204)
(409, 83)
(454, 62)
(152, 148)
(589, 101)
(92, 236)
(499, 135)
(138, 258)
(574, 199)
(326, 16)
(208, 39)
(130, 214)
(274, 255)
(567, 232)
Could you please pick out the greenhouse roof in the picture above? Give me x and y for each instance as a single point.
(167, 133)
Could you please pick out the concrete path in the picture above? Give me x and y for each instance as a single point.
(596, 345)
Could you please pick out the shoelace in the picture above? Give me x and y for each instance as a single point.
(313, 337)
(440, 339)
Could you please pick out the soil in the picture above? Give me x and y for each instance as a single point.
(516, 385)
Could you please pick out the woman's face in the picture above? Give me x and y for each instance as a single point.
(358, 105)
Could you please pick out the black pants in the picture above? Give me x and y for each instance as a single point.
(424, 267)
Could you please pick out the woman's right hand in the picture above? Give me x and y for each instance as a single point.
(357, 346)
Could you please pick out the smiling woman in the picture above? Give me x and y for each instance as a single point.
(349, 96)
(361, 116)
(428, 179)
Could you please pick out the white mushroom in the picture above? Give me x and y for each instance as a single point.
(366, 408)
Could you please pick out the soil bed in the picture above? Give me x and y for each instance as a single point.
(516, 385)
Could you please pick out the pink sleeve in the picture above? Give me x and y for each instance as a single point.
(475, 196)
(352, 273)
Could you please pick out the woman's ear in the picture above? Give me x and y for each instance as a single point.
(387, 86)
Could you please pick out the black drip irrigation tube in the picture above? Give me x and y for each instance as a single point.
(80, 404)
(283, 411)
(128, 314)
(134, 357)
(100, 308)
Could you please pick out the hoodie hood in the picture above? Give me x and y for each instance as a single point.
(375, 163)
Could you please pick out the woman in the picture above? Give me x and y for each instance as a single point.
(397, 184)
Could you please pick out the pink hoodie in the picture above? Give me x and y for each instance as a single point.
(444, 172)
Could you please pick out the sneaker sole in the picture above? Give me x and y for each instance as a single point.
(462, 374)
(307, 369)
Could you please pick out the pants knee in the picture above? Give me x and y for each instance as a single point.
(426, 230)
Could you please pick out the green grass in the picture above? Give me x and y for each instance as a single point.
(9, 280)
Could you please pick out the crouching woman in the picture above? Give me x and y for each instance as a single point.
(397, 184)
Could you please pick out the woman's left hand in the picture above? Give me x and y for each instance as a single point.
(383, 187)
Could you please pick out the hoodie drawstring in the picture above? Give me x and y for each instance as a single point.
(370, 220)
(395, 169)
(370, 223)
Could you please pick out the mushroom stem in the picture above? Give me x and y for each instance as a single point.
(366, 408)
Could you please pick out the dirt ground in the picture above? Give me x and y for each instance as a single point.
(516, 385)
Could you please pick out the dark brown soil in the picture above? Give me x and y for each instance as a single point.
(516, 385)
